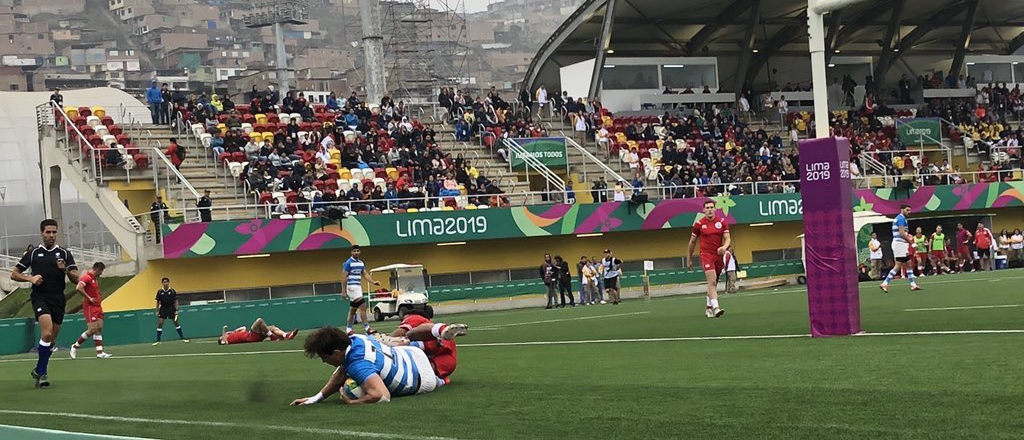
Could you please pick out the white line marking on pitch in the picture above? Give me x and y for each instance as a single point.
(581, 318)
(589, 341)
(68, 433)
(935, 309)
(223, 425)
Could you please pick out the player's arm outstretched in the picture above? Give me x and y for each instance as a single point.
(366, 276)
(333, 385)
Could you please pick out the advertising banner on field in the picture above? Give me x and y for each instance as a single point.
(192, 240)
(550, 151)
(920, 131)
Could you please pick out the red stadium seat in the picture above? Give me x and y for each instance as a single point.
(141, 161)
(266, 198)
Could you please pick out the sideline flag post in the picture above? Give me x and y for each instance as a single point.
(831, 256)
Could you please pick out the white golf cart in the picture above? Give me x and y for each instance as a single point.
(408, 292)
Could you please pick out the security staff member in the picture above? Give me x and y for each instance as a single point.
(50, 266)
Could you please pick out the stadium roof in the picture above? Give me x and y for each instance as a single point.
(659, 28)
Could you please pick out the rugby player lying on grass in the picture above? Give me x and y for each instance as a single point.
(380, 370)
(256, 333)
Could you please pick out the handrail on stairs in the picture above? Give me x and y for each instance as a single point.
(514, 150)
(590, 156)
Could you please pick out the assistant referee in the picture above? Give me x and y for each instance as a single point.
(50, 266)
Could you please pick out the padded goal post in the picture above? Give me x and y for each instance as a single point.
(830, 260)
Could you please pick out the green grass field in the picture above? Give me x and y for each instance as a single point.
(643, 369)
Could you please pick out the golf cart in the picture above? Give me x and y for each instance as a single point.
(408, 292)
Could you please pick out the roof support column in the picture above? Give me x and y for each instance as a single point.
(603, 44)
(885, 59)
(833, 32)
(965, 39)
(746, 48)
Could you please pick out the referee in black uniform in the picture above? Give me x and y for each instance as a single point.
(167, 308)
(50, 265)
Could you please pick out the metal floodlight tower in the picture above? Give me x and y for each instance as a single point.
(277, 14)
(816, 10)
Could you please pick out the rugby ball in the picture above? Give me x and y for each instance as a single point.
(351, 389)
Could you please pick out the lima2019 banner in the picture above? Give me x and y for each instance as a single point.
(255, 236)
(920, 131)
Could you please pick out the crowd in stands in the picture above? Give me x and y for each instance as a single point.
(375, 158)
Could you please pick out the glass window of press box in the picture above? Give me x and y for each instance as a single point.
(694, 76)
(993, 72)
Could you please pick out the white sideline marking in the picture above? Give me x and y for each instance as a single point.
(223, 425)
(935, 309)
(581, 318)
(77, 434)
(578, 342)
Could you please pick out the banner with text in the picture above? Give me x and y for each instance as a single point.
(920, 131)
(191, 240)
(550, 151)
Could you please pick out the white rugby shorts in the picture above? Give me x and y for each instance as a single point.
(354, 292)
(900, 249)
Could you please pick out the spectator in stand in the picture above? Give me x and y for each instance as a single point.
(165, 105)
(204, 205)
(217, 104)
(217, 144)
(155, 100)
(57, 98)
(175, 153)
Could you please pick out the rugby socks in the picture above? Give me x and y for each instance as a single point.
(180, 333)
(911, 277)
(98, 340)
(714, 303)
(348, 330)
(366, 327)
(159, 334)
(892, 273)
(44, 357)
(81, 339)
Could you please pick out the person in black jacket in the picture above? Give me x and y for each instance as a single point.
(564, 281)
(204, 205)
(549, 276)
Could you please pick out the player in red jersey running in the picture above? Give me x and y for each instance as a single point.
(89, 288)
(713, 233)
(256, 333)
(436, 340)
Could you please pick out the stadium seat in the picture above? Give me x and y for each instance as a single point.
(412, 210)
(92, 121)
(72, 112)
(247, 128)
(261, 119)
(84, 112)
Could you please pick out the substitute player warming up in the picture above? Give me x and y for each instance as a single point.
(92, 310)
(901, 240)
(714, 237)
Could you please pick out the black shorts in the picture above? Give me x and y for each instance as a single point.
(611, 283)
(984, 253)
(903, 259)
(356, 303)
(52, 305)
(167, 313)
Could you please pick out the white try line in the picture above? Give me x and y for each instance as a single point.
(546, 321)
(294, 429)
(56, 432)
(576, 342)
(744, 337)
(937, 309)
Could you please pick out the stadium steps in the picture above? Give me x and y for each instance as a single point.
(202, 173)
